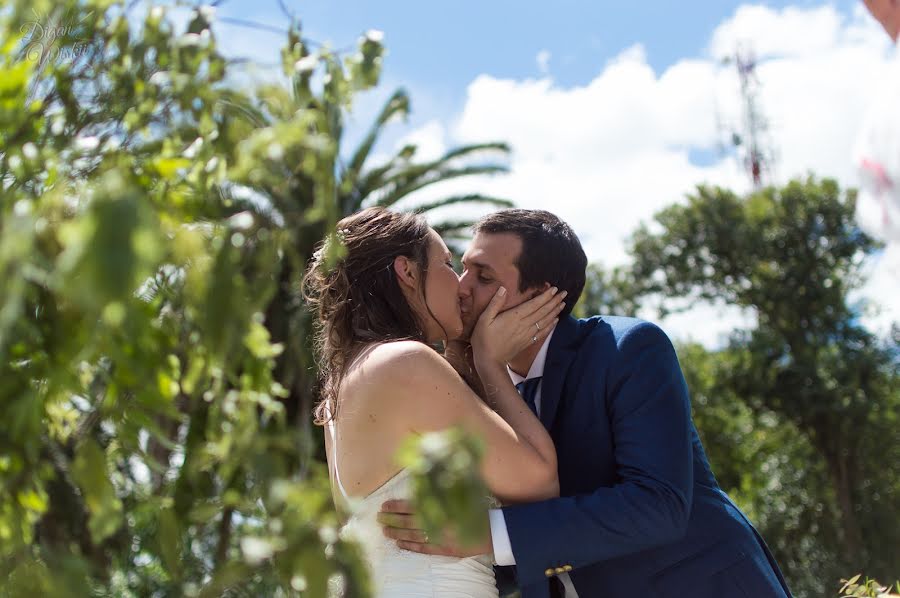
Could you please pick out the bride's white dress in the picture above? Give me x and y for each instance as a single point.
(400, 573)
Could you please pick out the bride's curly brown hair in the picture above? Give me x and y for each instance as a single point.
(357, 300)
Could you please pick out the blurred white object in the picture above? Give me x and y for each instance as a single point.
(877, 156)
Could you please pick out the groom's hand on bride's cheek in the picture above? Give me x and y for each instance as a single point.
(398, 522)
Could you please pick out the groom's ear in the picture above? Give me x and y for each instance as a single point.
(534, 292)
(406, 271)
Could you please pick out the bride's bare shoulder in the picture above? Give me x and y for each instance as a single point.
(395, 349)
(397, 377)
(405, 362)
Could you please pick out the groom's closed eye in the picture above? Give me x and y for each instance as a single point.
(481, 277)
(480, 269)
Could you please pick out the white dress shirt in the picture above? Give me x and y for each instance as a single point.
(503, 554)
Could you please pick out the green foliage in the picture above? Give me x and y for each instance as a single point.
(146, 451)
(446, 478)
(869, 588)
(607, 292)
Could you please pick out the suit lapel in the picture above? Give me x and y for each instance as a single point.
(560, 353)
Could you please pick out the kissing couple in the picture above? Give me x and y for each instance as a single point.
(602, 486)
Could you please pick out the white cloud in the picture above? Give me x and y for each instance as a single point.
(607, 155)
(792, 31)
(543, 61)
(882, 289)
(429, 140)
(709, 324)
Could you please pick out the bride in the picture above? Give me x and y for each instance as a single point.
(392, 294)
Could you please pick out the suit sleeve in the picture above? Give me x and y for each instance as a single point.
(650, 505)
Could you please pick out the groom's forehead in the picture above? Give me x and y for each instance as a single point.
(494, 249)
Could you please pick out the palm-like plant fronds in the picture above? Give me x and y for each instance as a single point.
(357, 183)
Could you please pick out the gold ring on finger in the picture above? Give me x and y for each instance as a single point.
(534, 339)
(538, 326)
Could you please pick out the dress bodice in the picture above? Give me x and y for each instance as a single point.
(398, 573)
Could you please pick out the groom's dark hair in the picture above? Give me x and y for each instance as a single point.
(551, 252)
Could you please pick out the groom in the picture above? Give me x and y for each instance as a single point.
(639, 512)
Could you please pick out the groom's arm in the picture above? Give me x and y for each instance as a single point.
(649, 411)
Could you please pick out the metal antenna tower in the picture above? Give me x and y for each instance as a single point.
(749, 140)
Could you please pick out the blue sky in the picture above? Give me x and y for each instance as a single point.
(443, 46)
(446, 45)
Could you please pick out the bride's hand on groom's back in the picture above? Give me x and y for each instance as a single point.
(501, 335)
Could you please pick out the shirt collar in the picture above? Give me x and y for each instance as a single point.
(537, 366)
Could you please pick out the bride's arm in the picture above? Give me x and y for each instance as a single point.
(460, 356)
(424, 391)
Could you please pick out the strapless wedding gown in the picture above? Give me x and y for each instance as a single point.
(397, 573)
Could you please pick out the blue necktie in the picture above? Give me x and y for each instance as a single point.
(528, 389)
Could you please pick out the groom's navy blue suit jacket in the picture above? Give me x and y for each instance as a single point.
(639, 513)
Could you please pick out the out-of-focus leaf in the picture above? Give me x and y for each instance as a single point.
(89, 469)
(170, 543)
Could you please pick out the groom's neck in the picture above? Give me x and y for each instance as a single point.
(521, 363)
